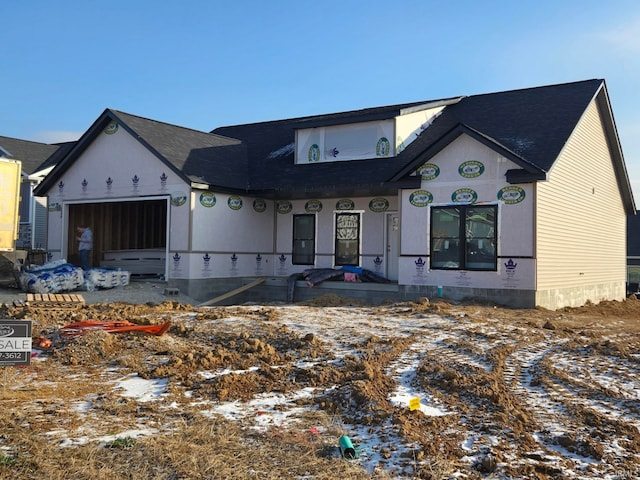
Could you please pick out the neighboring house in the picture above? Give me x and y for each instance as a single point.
(516, 197)
(37, 160)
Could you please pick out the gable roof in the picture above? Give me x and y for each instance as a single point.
(34, 155)
(196, 157)
(529, 126)
(274, 174)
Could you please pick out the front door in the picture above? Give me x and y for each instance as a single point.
(393, 246)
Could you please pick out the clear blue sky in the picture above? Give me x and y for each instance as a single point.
(206, 63)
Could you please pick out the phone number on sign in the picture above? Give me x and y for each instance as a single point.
(13, 355)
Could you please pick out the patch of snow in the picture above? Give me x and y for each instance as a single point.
(281, 152)
(140, 389)
(266, 408)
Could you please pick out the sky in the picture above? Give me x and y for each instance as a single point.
(203, 64)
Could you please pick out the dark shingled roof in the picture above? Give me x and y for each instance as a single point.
(273, 173)
(32, 154)
(528, 126)
(201, 157)
(195, 156)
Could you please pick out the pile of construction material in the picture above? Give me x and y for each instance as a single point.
(59, 276)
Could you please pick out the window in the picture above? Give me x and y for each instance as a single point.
(464, 237)
(304, 239)
(354, 141)
(347, 239)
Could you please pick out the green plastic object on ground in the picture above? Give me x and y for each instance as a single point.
(346, 448)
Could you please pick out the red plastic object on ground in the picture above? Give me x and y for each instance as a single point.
(80, 328)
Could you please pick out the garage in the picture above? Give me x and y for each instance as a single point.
(131, 235)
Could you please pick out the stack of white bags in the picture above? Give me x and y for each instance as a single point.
(60, 276)
(105, 278)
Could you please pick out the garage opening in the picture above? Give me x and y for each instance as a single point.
(130, 235)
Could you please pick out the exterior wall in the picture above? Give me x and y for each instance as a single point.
(581, 223)
(410, 125)
(359, 141)
(115, 166)
(443, 178)
(336, 143)
(372, 246)
(26, 212)
(232, 236)
(277, 289)
(232, 245)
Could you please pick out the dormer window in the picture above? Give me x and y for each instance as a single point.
(383, 138)
(357, 141)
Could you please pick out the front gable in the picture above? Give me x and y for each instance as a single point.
(466, 162)
(114, 164)
(466, 171)
(197, 158)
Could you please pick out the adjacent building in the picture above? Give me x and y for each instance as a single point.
(37, 160)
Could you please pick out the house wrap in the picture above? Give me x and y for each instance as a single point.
(517, 197)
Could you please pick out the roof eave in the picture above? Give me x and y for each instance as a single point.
(519, 175)
(331, 191)
(615, 149)
(452, 134)
(83, 143)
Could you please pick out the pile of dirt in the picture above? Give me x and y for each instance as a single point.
(505, 379)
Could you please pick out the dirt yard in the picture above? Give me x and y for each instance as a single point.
(501, 393)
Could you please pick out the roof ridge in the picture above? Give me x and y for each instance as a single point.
(346, 113)
(539, 87)
(120, 112)
(28, 141)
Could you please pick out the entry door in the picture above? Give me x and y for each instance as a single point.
(393, 246)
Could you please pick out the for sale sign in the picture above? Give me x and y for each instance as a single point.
(15, 342)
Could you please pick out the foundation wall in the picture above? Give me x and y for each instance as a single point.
(275, 289)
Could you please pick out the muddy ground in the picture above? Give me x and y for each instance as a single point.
(510, 393)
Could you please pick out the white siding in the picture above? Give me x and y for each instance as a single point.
(580, 215)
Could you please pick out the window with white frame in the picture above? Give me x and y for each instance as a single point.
(347, 246)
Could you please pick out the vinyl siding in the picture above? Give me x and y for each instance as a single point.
(580, 224)
(40, 223)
